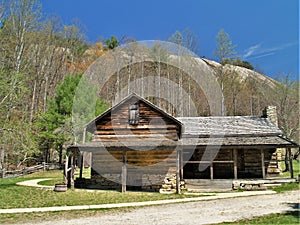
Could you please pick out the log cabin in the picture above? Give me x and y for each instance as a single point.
(137, 146)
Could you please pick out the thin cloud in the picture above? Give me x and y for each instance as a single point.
(251, 50)
(261, 56)
(258, 51)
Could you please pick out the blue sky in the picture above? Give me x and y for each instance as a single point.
(266, 32)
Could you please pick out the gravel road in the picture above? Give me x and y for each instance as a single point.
(202, 212)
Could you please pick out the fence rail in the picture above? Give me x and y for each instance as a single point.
(27, 170)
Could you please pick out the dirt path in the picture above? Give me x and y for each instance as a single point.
(203, 212)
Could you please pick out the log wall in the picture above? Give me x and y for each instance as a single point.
(249, 164)
(146, 170)
(152, 124)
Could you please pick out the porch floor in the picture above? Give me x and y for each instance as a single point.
(218, 185)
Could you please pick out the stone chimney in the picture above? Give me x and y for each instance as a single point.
(270, 112)
(274, 168)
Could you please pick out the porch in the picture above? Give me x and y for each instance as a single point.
(221, 185)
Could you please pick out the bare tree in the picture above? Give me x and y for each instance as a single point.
(224, 50)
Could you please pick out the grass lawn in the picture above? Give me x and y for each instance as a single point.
(13, 196)
(286, 218)
(296, 169)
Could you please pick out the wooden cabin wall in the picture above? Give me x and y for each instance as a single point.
(146, 170)
(249, 164)
(253, 163)
(152, 125)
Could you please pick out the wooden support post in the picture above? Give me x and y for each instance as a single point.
(263, 163)
(178, 171)
(66, 169)
(290, 162)
(82, 154)
(124, 172)
(235, 163)
(81, 164)
(72, 171)
(181, 164)
(211, 170)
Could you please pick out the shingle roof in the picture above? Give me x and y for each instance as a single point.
(236, 142)
(228, 126)
(232, 131)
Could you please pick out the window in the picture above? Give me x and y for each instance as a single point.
(133, 114)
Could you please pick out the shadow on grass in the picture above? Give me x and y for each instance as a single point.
(295, 214)
(6, 183)
(296, 210)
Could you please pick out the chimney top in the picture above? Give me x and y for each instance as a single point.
(270, 112)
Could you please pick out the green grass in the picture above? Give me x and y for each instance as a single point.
(58, 178)
(13, 196)
(38, 217)
(286, 187)
(296, 169)
(286, 218)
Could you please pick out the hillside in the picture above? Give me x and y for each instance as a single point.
(243, 73)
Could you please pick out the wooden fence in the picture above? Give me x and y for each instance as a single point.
(27, 170)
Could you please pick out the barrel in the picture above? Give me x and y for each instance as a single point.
(60, 187)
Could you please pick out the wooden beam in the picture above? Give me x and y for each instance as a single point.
(290, 162)
(211, 171)
(124, 172)
(208, 162)
(66, 169)
(72, 172)
(181, 165)
(178, 171)
(263, 163)
(235, 164)
(81, 164)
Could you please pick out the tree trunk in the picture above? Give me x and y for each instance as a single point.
(45, 95)
(286, 161)
(32, 102)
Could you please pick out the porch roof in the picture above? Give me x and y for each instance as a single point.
(233, 131)
(240, 142)
(228, 126)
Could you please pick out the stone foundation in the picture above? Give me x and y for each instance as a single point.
(248, 185)
(149, 182)
(100, 182)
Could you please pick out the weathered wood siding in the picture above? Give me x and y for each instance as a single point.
(152, 124)
(249, 164)
(145, 169)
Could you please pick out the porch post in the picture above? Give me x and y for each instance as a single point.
(235, 156)
(124, 172)
(81, 164)
(181, 164)
(290, 162)
(72, 171)
(66, 169)
(263, 163)
(82, 154)
(211, 170)
(178, 171)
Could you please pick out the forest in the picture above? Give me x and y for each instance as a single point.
(43, 60)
